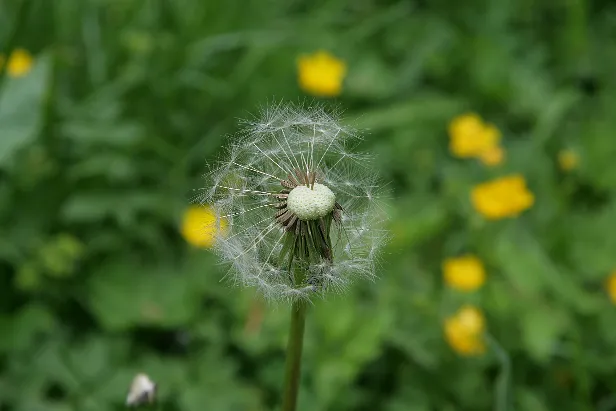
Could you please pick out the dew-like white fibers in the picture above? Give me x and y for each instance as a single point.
(245, 186)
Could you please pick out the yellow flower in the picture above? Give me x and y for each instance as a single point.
(469, 136)
(199, 226)
(465, 273)
(321, 74)
(503, 197)
(464, 331)
(19, 63)
(568, 159)
(611, 286)
(493, 156)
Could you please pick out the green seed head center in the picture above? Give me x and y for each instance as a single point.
(311, 203)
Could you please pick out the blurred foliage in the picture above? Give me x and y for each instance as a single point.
(103, 142)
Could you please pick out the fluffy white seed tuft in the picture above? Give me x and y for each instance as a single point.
(243, 188)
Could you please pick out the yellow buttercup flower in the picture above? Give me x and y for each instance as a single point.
(502, 197)
(321, 74)
(568, 160)
(464, 331)
(611, 286)
(465, 273)
(19, 63)
(469, 136)
(199, 226)
(493, 156)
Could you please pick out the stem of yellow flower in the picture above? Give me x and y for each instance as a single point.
(503, 382)
(294, 356)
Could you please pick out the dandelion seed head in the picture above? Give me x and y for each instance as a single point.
(303, 209)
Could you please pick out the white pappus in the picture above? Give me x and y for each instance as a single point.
(303, 210)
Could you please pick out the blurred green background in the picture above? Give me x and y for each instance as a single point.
(105, 136)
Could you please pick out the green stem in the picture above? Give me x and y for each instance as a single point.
(502, 400)
(294, 356)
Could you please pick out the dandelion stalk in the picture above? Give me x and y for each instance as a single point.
(294, 356)
(303, 214)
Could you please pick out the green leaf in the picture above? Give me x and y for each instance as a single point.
(528, 267)
(553, 115)
(422, 218)
(216, 384)
(592, 252)
(347, 340)
(59, 255)
(122, 206)
(427, 108)
(123, 294)
(123, 134)
(541, 328)
(598, 147)
(112, 166)
(21, 109)
(519, 264)
(23, 329)
(370, 78)
(28, 277)
(528, 399)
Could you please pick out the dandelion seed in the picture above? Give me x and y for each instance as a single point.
(303, 212)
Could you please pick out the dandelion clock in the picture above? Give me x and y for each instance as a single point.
(302, 211)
